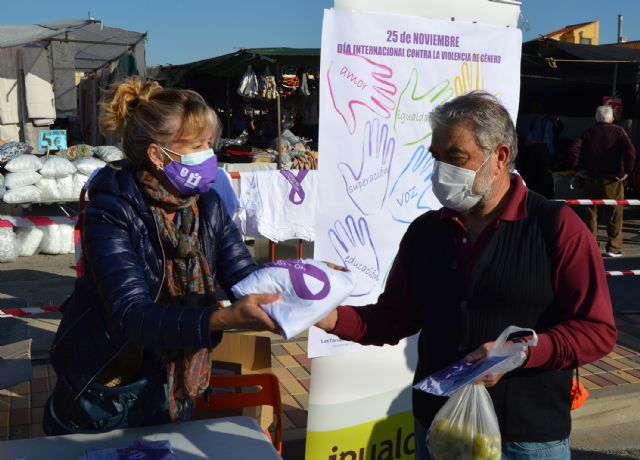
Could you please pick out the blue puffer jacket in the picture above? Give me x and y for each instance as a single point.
(114, 302)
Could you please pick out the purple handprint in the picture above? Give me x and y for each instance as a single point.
(357, 81)
(297, 271)
(367, 186)
(411, 193)
(352, 241)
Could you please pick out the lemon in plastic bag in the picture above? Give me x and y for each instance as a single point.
(466, 427)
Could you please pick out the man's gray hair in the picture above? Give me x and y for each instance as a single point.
(491, 121)
(604, 114)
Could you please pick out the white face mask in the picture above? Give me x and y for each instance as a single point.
(453, 186)
(193, 158)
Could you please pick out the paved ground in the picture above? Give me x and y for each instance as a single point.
(603, 428)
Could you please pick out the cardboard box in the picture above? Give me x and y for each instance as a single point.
(252, 352)
(240, 353)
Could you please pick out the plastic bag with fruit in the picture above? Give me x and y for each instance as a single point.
(466, 427)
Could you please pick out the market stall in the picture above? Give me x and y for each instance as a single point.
(51, 78)
(267, 99)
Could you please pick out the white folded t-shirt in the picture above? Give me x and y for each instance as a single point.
(310, 290)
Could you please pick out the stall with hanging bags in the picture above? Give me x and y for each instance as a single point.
(267, 100)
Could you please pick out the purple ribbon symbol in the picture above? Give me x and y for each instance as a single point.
(296, 185)
(297, 271)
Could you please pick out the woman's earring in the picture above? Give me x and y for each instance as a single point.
(159, 168)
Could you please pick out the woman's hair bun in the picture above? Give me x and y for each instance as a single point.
(121, 100)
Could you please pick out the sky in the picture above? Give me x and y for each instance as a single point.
(188, 30)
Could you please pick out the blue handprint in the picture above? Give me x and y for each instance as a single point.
(352, 241)
(411, 193)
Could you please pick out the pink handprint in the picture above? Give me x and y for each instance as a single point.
(356, 81)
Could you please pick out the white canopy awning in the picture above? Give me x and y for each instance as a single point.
(95, 44)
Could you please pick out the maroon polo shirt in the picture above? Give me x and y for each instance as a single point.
(586, 332)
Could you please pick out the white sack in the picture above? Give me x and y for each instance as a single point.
(8, 245)
(86, 166)
(29, 239)
(21, 179)
(57, 167)
(28, 194)
(65, 186)
(49, 190)
(51, 240)
(67, 245)
(108, 153)
(24, 163)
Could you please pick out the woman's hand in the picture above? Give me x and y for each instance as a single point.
(335, 267)
(245, 313)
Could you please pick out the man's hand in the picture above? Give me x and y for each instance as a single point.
(488, 380)
(622, 178)
(245, 313)
(328, 324)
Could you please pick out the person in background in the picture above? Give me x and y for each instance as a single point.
(495, 255)
(133, 347)
(605, 155)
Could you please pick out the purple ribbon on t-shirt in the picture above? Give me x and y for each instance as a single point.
(296, 185)
(297, 270)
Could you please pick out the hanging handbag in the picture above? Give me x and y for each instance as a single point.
(579, 393)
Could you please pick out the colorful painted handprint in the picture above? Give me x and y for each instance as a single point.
(352, 241)
(367, 184)
(411, 193)
(411, 118)
(357, 83)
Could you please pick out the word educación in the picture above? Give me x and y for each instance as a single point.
(388, 450)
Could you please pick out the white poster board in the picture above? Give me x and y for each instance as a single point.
(381, 74)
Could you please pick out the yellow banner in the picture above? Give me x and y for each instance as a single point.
(390, 438)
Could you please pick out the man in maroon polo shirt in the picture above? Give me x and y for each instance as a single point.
(606, 156)
(496, 254)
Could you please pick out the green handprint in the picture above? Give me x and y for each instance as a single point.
(411, 118)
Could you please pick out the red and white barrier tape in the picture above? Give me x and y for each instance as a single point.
(623, 273)
(35, 221)
(27, 311)
(602, 202)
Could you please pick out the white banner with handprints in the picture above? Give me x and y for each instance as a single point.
(381, 76)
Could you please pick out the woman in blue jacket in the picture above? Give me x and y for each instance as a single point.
(133, 345)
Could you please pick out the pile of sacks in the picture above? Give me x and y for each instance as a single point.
(28, 178)
(27, 241)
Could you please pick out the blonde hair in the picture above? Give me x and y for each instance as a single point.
(143, 112)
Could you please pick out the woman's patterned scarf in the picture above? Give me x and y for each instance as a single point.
(187, 278)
